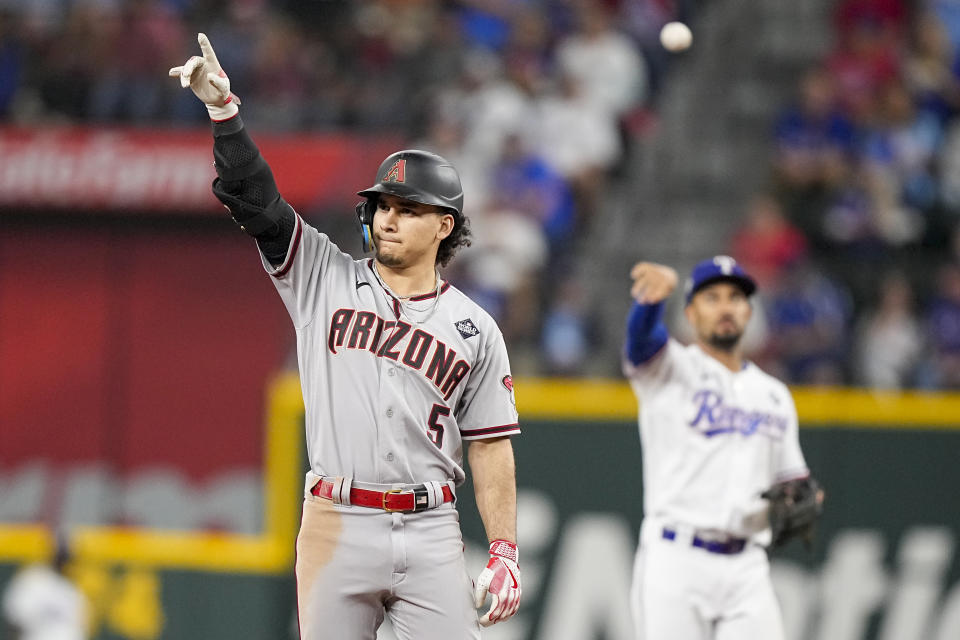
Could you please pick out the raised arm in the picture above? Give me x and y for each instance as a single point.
(646, 333)
(244, 183)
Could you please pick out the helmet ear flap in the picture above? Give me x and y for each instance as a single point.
(365, 210)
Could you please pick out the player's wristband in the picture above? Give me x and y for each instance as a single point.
(227, 111)
(505, 549)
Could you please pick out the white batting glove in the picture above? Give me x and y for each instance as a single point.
(208, 81)
(501, 578)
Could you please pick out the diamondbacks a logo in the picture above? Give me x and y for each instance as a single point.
(397, 172)
(466, 328)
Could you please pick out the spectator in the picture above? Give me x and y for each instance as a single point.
(928, 69)
(603, 62)
(808, 316)
(888, 15)
(767, 243)
(489, 106)
(948, 162)
(948, 12)
(902, 146)
(566, 340)
(866, 60)
(149, 35)
(65, 79)
(943, 323)
(526, 180)
(814, 138)
(890, 342)
(509, 249)
(579, 140)
(282, 103)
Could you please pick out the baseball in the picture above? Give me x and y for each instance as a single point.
(676, 36)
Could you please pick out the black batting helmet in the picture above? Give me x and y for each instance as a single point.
(419, 176)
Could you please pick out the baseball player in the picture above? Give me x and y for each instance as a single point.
(398, 371)
(41, 603)
(716, 433)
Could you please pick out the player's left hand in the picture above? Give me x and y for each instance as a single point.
(501, 578)
(209, 83)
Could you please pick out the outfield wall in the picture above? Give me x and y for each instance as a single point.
(883, 567)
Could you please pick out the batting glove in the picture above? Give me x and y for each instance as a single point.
(501, 578)
(208, 81)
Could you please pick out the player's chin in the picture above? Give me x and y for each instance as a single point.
(726, 339)
(386, 257)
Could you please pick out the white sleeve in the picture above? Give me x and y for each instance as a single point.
(790, 463)
(313, 262)
(652, 375)
(487, 408)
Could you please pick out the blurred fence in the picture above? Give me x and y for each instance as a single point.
(883, 565)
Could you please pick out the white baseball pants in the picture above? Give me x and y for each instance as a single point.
(682, 592)
(356, 564)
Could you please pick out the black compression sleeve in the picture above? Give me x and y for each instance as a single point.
(246, 185)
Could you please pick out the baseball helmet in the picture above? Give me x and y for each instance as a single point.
(419, 176)
(718, 269)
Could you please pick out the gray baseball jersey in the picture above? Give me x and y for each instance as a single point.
(391, 387)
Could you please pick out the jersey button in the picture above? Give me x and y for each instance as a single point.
(391, 372)
(389, 413)
(388, 457)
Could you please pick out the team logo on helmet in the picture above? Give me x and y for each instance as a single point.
(397, 172)
(466, 328)
(726, 264)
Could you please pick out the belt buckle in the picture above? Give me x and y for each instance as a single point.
(421, 499)
(383, 500)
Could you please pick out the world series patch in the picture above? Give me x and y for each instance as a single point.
(466, 328)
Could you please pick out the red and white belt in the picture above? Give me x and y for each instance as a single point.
(410, 500)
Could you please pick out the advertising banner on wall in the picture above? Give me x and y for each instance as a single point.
(124, 170)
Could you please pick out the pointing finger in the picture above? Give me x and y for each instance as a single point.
(175, 72)
(207, 50)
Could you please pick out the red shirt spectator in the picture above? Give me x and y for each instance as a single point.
(767, 242)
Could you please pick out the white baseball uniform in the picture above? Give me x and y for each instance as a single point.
(713, 440)
(392, 388)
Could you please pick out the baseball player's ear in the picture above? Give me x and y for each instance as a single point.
(446, 226)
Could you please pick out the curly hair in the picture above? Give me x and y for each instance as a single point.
(459, 237)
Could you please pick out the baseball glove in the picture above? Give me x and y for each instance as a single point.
(795, 506)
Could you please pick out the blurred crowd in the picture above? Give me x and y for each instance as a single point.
(535, 101)
(857, 242)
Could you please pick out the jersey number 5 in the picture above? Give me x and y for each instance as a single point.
(434, 428)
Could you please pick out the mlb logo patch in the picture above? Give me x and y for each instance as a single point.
(466, 328)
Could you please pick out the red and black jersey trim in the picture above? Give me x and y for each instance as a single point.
(292, 253)
(427, 296)
(488, 432)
